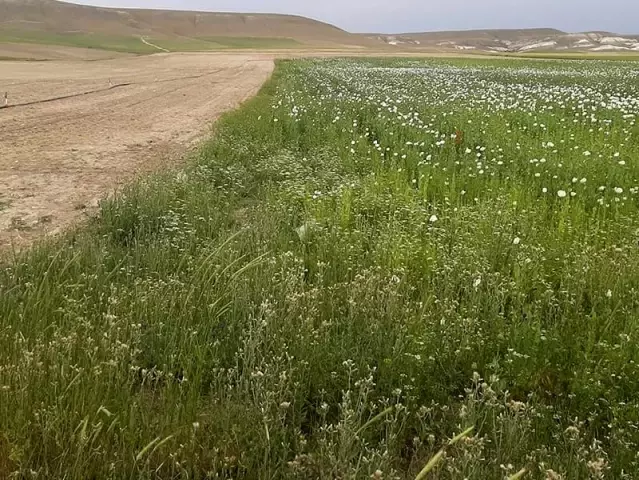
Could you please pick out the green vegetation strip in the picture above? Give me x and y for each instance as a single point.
(124, 44)
(369, 258)
(134, 44)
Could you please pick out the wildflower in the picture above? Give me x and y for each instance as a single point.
(544, 190)
(477, 283)
(562, 194)
(618, 190)
(552, 475)
(587, 153)
(433, 219)
(572, 432)
(609, 294)
(597, 467)
(285, 405)
(516, 241)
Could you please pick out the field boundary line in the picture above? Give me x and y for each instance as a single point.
(65, 97)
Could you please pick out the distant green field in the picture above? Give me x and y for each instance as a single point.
(133, 44)
(185, 44)
(114, 43)
(254, 42)
(577, 56)
(21, 59)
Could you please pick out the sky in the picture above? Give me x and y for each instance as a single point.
(401, 16)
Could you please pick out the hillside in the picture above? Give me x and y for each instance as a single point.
(513, 41)
(58, 23)
(51, 22)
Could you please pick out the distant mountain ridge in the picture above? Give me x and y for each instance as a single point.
(514, 40)
(146, 31)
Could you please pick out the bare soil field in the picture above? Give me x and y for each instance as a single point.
(74, 130)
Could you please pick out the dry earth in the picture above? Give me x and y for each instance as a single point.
(75, 130)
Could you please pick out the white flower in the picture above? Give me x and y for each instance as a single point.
(616, 154)
(545, 190)
(433, 219)
(562, 194)
(609, 294)
(516, 241)
(618, 190)
(550, 145)
(587, 153)
(477, 283)
(583, 180)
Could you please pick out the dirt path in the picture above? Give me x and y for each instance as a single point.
(144, 40)
(89, 126)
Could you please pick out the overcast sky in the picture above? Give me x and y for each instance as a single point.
(395, 16)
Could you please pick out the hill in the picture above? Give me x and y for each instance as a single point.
(145, 31)
(513, 41)
(51, 22)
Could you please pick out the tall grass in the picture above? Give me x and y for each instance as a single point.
(299, 303)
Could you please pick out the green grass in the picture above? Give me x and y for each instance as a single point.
(186, 44)
(360, 266)
(21, 59)
(124, 44)
(254, 42)
(133, 44)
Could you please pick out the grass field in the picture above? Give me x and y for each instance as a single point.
(114, 43)
(254, 42)
(369, 258)
(133, 44)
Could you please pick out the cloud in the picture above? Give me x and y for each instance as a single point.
(393, 16)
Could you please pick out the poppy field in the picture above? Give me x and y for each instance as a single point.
(367, 260)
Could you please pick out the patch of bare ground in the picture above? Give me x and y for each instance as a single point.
(76, 130)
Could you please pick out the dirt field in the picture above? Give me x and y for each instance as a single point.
(75, 130)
